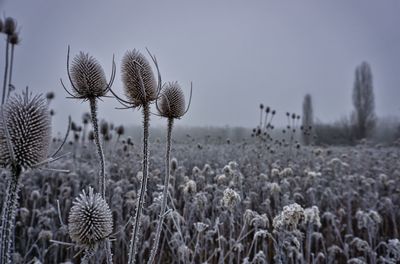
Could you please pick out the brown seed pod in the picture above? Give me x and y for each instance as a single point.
(138, 78)
(9, 26)
(172, 101)
(87, 77)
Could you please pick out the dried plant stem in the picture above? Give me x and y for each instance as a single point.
(8, 216)
(5, 70)
(102, 180)
(89, 253)
(102, 175)
(143, 186)
(165, 192)
(11, 68)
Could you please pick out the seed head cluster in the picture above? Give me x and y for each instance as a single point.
(90, 219)
(27, 121)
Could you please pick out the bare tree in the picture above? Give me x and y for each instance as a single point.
(308, 120)
(363, 117)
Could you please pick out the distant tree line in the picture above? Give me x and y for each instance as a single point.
(362, 123)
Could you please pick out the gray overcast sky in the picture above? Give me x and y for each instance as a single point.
(237, 53)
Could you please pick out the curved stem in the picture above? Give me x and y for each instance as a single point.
(143, 186)
(5, 71)
(8, 216)
(165, 193)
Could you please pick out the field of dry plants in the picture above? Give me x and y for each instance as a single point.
(229, 203)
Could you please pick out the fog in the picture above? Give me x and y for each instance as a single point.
(237, 53)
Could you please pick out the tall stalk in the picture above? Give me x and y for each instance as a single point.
(5, 70)
(8, 216)
(11, 69)
(165, 192)
(102, 180)
(102, 175)
(143, 186)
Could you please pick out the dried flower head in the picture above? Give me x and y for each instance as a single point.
(87, 77)
(289, 218)
(200, 227)
(27, 121)
(90, 219)
(9, 26)
(174, 164)
(138, 78)
(172, 101)
(312, 216)
(14, 39)
(230, 198)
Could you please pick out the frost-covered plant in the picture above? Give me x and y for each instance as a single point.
(24, 143)
(89, 83)
(141, 89)
(90, 222)
(171, 106)
(9, 28)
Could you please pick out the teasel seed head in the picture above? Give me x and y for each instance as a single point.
(120, 130)
(14, 39)
(26, 119)
(9, 26)
(90, 219)
(172, 101)
(138, 78)
(87, 77)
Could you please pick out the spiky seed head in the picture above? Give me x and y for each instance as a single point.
(120, 130)
(9, 26)
(104, 128)
(138, 78)
(28, 123)
(14, 39)
(91, 135)
(87, 77)
(172, 101)
(50, 96)
(90, 219)
(86, 118)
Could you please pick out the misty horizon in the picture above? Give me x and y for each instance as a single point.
(237, 54)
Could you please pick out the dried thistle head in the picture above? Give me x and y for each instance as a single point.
(14, 39)
(90, 219)
(230, 198)
(26, 120)
(172, 101)
(138, 78)
(87, 77)
(9, 26)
